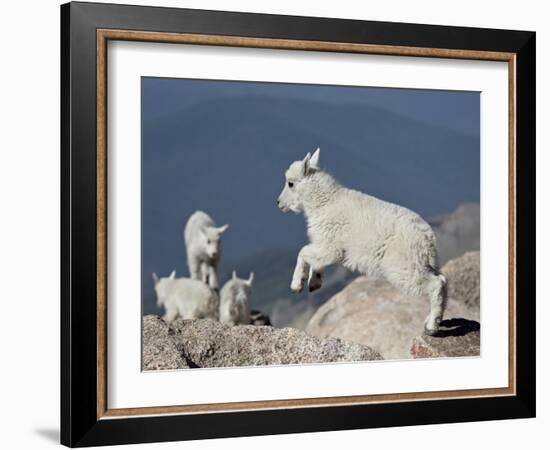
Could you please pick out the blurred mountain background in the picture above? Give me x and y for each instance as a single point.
(223, 147)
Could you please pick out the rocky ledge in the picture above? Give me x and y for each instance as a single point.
(456, 337)
(463, 280)
(208, 343)
(372, 312)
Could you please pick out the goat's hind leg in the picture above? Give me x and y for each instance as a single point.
(436, 289)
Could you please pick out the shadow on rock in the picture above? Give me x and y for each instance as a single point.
(456, 337)
(456, 327)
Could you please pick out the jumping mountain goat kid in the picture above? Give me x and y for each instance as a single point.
(235, 300)
(362, 233)
(203, 245)
(190, 299)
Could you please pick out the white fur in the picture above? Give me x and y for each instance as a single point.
(235, 300)
(190, 299)
(362, 233)
(203, 245)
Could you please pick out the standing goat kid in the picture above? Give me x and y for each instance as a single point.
(203, 245)
(235, 300)
(364, 234)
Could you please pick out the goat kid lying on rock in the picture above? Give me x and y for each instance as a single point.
(362, 233)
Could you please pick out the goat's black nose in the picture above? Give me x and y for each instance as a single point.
(277, 202)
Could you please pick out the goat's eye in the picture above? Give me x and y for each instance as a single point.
(208, 241)
(290, 184)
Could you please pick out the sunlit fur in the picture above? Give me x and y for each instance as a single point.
(364, 234)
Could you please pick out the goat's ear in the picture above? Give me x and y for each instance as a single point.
(250, 279)
(223, 228)
(155, 278)
(172, 275)
(234, 275)
(306, 163)
(314, 161)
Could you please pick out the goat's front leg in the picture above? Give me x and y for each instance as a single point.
(194, 268)
(310, 263)
(301, 271)
(213, 277)
(171, 314)
(204, 272)
(315, 280)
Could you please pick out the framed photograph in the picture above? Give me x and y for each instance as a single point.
(276, 224)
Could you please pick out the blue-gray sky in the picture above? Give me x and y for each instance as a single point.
(455, 109)
(223, 147)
